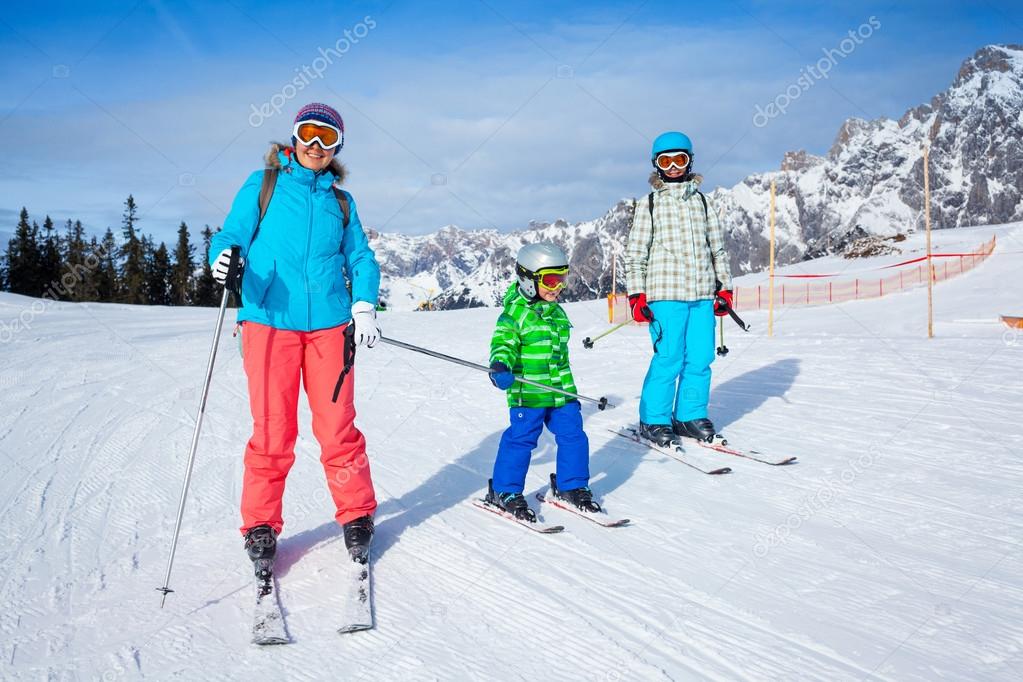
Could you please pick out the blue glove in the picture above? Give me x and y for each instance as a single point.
(501, 376)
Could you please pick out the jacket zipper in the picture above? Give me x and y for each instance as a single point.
(692, 236)
(305, 264)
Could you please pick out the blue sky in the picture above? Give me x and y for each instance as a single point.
(480, 114)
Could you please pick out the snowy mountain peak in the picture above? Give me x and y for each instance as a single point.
(870, 182)
(991, 61)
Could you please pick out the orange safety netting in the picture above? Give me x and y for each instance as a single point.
(817, 291)
(824, 289)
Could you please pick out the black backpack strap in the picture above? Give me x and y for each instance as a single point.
(266, 192)
(704, 200)
(346, 208)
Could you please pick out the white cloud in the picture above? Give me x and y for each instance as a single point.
(512, 140)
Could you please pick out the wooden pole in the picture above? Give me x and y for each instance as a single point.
(930, 267)
(770, 296)
(614, 273)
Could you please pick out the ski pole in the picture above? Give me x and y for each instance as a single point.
(588, 342)
(601, 402)
(722, 349)
(230, 285)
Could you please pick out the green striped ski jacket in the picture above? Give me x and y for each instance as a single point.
(532, 339)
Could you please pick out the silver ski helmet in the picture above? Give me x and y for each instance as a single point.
(531, 259)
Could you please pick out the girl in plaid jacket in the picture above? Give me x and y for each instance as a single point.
(677, 269)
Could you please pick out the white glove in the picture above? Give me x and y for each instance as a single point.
(364, 317)
(223, 264)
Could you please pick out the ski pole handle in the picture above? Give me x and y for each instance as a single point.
(233, 283)
(601, 403)
(731, 313)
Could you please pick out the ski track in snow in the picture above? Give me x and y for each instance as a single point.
(890, 551)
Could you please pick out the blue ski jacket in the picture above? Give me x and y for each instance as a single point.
(304, 269)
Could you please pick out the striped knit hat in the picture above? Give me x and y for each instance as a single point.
(324, 114)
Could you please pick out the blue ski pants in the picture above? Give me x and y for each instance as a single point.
(678, 380)
(520, 438)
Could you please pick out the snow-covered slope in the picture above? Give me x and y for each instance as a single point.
(870, 182)
(891, 551)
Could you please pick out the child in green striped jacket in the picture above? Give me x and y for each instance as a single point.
(531, 341)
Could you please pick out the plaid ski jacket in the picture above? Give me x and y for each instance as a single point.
(532, 339)
(678, 256)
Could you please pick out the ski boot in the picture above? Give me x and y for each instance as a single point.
(699, 429)
(513, 503)
(581, 498)
(358, 535)
(658, 434)
(261, 546)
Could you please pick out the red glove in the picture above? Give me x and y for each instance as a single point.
(640, 310)
(722, 302)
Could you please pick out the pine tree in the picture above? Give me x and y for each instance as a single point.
(159, 275)
(182, 281)
(81, 262)
(133, 257)
(24, 259)
(108, 286)
(50, 262)
(205, 285)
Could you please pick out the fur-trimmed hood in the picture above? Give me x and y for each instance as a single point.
(656, 182)
(272, 159)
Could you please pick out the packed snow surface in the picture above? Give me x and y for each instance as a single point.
(890, 551)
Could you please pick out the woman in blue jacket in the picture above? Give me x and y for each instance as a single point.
(309, 273)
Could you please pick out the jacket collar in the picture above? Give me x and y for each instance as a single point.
(282, 157)
(684, 189)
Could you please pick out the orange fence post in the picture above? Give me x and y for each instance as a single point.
(807, 292)
(830, 299)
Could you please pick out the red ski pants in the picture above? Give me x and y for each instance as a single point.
(274, 359)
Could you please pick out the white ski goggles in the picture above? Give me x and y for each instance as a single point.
(666, 160)
(325, 134)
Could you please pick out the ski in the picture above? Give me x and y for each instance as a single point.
(268, 624)
(538, 526)
(357, 609)
(674, 451)
(720, 444)
(600, 518)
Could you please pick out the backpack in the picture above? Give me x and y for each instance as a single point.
(650, 205)
(266, 191)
